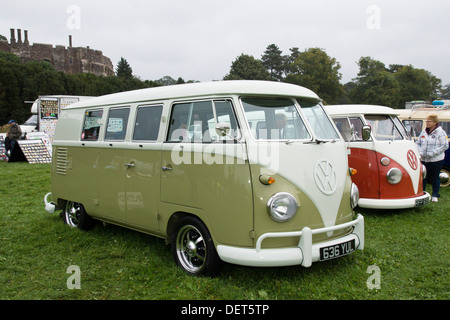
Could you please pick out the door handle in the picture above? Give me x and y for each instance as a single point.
(166, 168)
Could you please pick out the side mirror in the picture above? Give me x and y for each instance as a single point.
(366, 131)
(222, 129)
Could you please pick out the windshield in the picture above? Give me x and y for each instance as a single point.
(383, 127)
(32, 121)
(319, 121)
(274, 119)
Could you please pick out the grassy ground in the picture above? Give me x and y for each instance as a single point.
(410, 247)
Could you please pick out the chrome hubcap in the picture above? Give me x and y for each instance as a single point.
(73, 213)
(191, 248)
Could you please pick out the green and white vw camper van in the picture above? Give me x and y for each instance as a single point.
(246, 172)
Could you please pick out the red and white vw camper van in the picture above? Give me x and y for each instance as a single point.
(389, 172)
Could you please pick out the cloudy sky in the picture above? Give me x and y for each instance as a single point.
(199, 39)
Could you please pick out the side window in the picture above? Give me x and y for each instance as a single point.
(91, 125)
(147, 123)
(224, 114)
(344, 126)
(117, 124)
(357, 129)
(445, 125)
(196, 121)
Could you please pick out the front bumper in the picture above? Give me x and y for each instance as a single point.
(49, 206)
(395, 203)
(304, 254)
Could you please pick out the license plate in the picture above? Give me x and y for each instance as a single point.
(337, 250)
(421, 202)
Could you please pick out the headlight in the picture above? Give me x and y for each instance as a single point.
(394, 176)
(354, 196)
(424, 171)
(282, 207)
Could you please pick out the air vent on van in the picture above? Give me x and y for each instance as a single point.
(61, 161)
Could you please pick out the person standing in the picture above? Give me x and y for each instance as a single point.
(432, 144)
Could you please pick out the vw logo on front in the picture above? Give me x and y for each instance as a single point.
(412, 159)
(325, 176)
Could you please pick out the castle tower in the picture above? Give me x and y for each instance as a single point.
(13, 37)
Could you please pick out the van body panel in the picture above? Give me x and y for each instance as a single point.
(308, 215)
(317, 212)
(130, 185)
(367, 178)
(214, 178)
(408, 161)
(76, 180)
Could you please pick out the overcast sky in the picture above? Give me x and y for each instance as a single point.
(199, 39)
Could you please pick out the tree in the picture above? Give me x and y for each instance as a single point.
(166, 81)
(246, 67)
(314, 69)
(445, 92)
(289, 60)
(123, 69)
(375, 84)
(415, 84)
(393, 86)
(273, 61)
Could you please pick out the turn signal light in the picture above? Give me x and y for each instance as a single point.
(352, 171)
(266, 179)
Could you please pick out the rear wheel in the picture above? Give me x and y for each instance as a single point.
(193, 249)
(76, 217)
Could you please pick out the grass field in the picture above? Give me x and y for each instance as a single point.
(410, 248)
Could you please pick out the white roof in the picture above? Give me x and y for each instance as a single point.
(239, 87)
(356, 109)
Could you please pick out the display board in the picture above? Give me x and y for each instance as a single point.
(35, 151)
(3, 156)
(44, 137)
(32, 151)
(49, 108)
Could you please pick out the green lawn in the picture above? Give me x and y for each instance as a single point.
(410, 247)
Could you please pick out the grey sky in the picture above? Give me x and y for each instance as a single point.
(199, 39)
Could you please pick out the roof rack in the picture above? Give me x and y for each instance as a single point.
(436, 104)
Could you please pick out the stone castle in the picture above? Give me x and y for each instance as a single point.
(69, 60)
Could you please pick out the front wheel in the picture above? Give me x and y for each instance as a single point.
(76, 217)
(193, 249)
